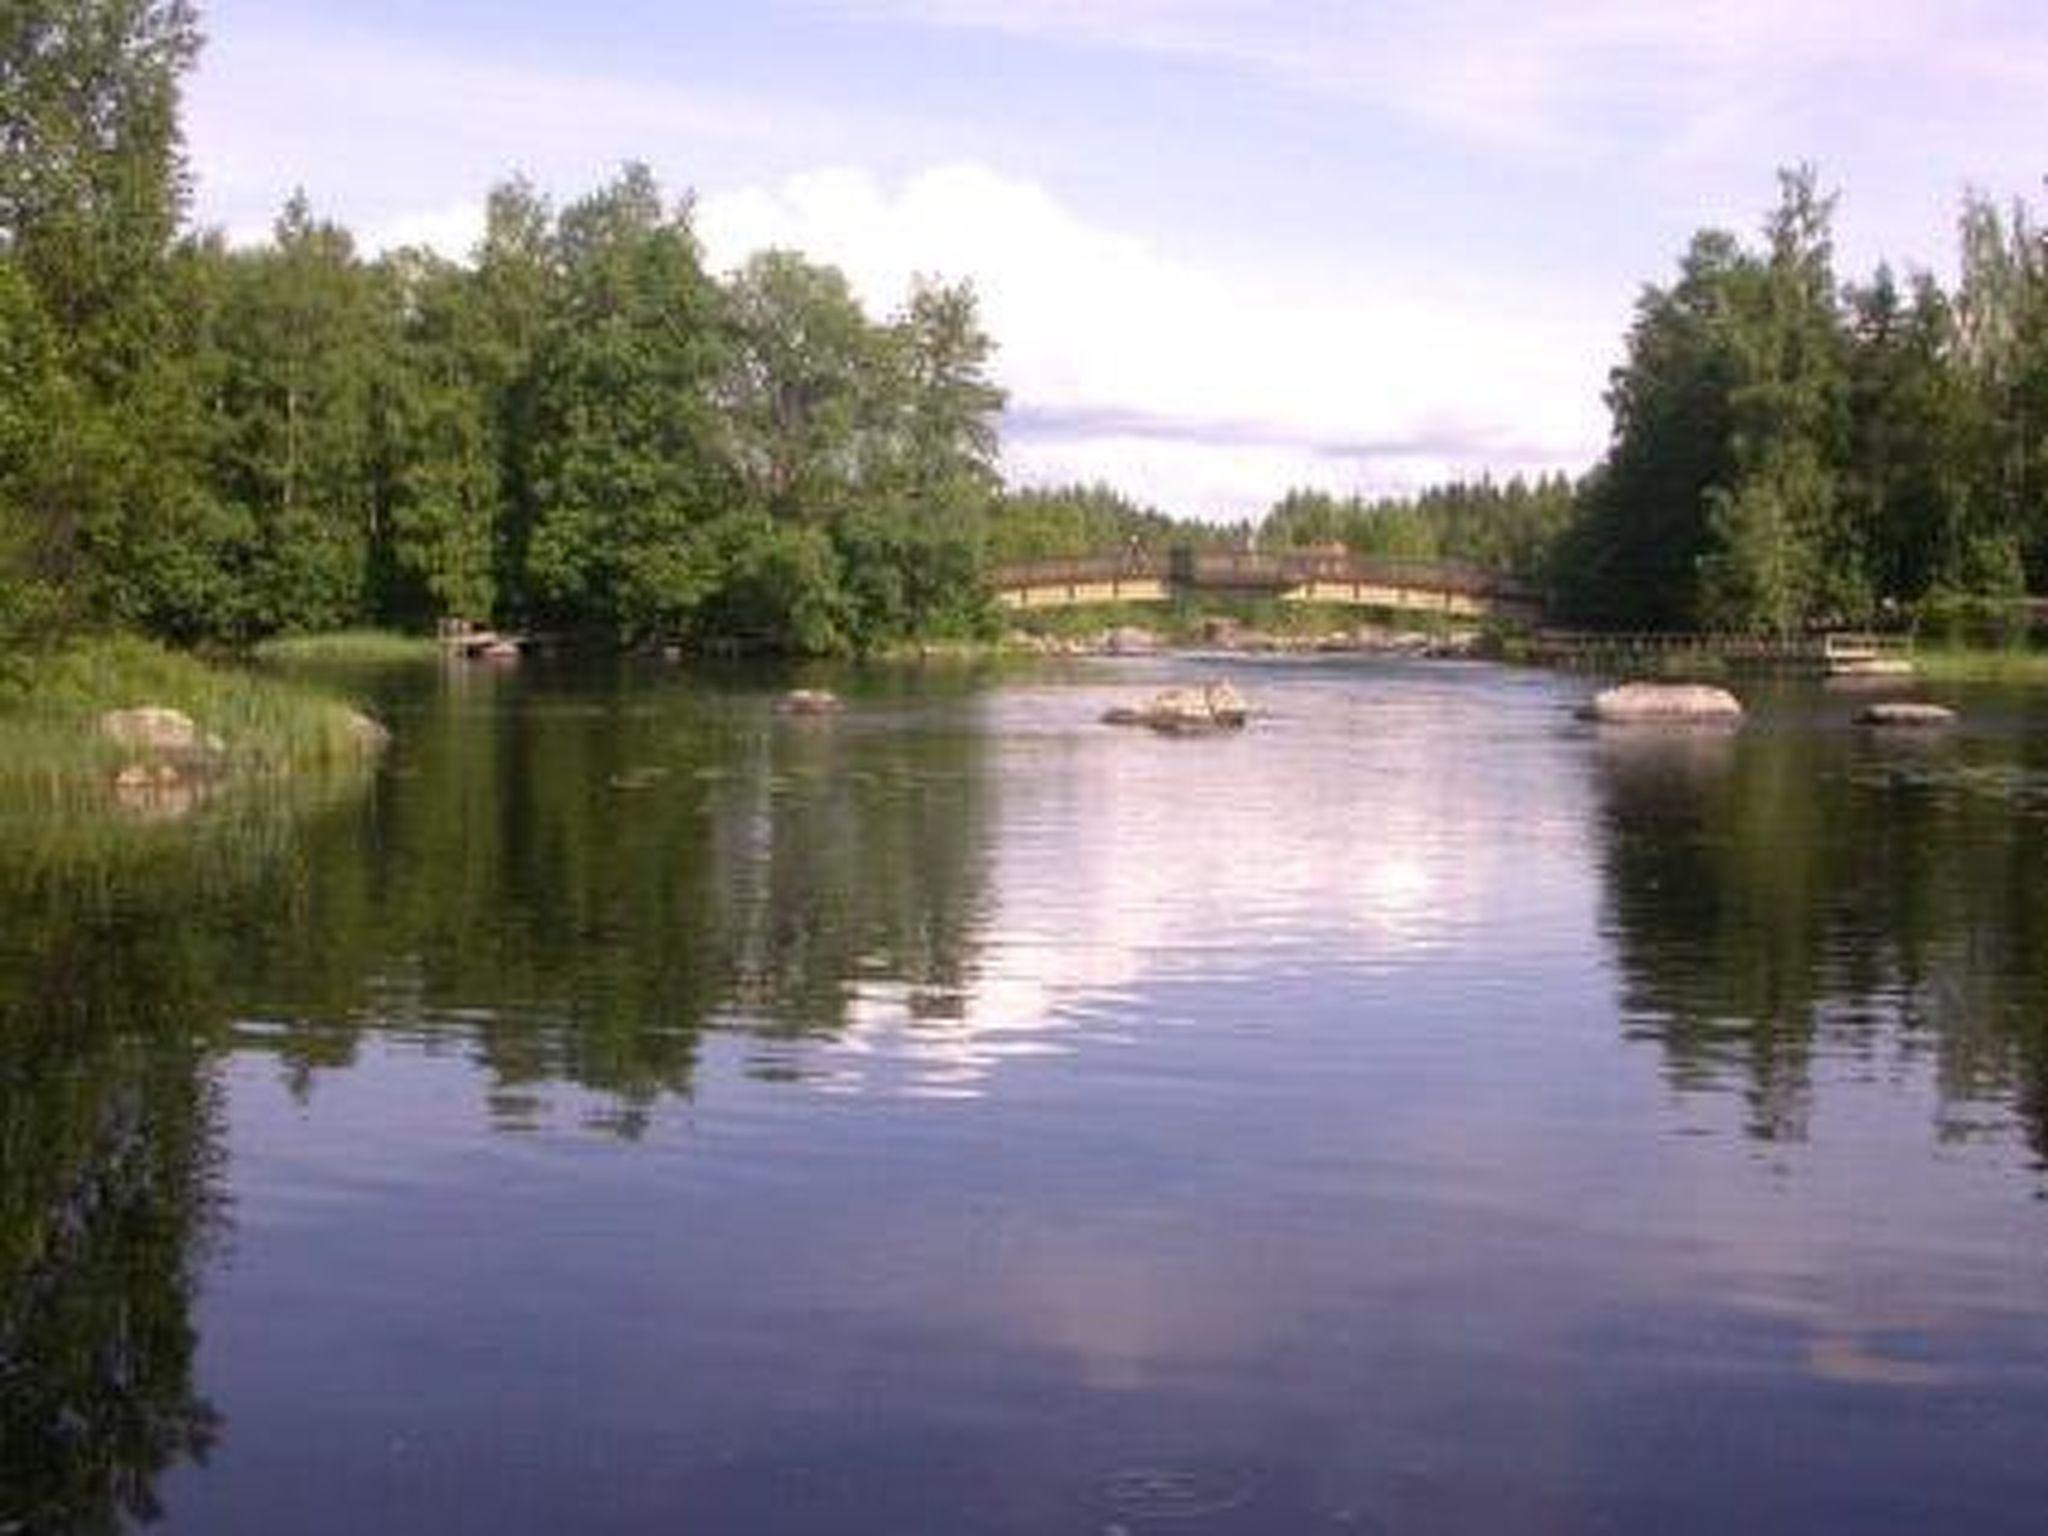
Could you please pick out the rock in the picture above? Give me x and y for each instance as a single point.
(1916, 716)
(1129, 640)
(498, 650)
(1663, 704)
(1186, 711)
(370, 735)
(164, 732)
(1226, 705)
(809, 701)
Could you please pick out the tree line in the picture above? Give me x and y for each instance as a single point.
(1790, 450)
(1787, 451)
(579, 427)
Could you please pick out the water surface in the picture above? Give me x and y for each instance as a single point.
(638, 1112)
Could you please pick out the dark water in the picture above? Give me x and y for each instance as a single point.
(636, 1113)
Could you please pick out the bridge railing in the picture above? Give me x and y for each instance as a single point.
(1084, 571)
(1274, 572)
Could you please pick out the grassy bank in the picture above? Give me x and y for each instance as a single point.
(1971, 664)
(51, 701)
(349, 647)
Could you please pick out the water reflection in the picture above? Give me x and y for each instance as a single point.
(110, 1178)
(621, 1034)
(573, 882)
(1802, 893)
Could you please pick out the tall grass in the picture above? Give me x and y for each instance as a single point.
(50, 703)
(349, 647)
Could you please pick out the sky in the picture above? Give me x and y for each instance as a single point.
(1225, 247)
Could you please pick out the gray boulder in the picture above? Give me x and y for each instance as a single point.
(1912, 716)
(1129, 640)
(809, 701)
(1186, 711)
(1663, 704)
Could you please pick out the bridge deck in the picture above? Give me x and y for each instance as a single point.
(1307, 576)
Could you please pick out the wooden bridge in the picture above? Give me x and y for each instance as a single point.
(1309, 576)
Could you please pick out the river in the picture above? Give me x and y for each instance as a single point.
(636, 1111)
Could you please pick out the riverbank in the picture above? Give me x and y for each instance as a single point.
(348, 647)
(1959, 664)
(1266, 628)
(54, 709)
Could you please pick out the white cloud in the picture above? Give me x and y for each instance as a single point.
(1201, 387)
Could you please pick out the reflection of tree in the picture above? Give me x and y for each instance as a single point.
(107, 1197)
(585, 879)
(1781, 893)
(574, 886)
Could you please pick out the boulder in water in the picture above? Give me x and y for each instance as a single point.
(809, 701)
(1186, 711)
(1912, 716)
(1663, 704)
(1130, 640)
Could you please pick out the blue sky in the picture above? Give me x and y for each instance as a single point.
(1225, 247)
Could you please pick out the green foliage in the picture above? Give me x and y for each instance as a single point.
(1508, 527)
(808, 412)
(1058, 523)
(910, 575)
(436, 461)
(1791, 454)
(627, 466)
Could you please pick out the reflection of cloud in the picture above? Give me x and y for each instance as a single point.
(1350, 827)
(1120, 1316)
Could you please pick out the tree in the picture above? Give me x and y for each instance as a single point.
(1718, 502)
(92, 174)
(799, 395)
(2002, 320)
(437, 458)
(946, 408)
(1917, 439)
(303, 340)
(627, 469)
(1632, 557)
(516, 285)
(92, 191)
